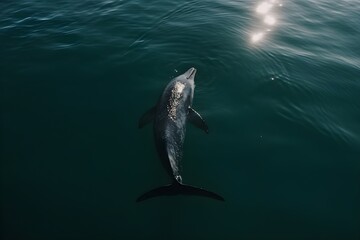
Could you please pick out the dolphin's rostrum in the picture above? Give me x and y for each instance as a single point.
(170, 116)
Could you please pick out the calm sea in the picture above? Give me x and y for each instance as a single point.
(278, 83)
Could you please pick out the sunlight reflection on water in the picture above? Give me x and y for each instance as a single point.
(264, 11)
(264, 7)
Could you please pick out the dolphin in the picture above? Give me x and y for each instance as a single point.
(169, 117)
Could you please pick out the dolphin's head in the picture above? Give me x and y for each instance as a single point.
(189, 75)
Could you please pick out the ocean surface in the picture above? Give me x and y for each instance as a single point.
(278, 83)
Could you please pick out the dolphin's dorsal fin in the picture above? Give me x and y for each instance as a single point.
(195, 118)
(147, 117)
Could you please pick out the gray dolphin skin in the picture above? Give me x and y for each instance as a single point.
(169, 117)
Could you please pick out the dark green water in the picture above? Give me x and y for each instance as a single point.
(282, 103)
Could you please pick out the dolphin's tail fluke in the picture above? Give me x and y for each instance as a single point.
(178, 189)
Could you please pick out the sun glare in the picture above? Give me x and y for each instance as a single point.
(257, 37)
(269, 20)
(266, 17)
(263, 7)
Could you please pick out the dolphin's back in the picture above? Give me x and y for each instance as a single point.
(170, 124)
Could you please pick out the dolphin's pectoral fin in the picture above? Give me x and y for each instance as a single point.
(147, 117)
(195, 118)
